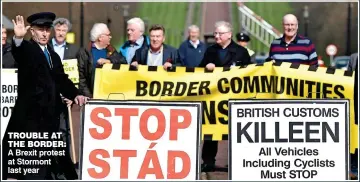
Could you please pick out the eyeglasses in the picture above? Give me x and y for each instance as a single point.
(109, 35)
(220, 33)
(289, 25)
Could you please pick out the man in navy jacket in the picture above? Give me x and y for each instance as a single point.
(192, 50)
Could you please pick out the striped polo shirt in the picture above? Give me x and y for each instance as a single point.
(300, 50)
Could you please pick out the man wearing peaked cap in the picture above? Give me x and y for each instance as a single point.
(41, 19)
(243, 40)
(41, 80)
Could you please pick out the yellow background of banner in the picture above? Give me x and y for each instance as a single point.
(121, 85)
(71, 68)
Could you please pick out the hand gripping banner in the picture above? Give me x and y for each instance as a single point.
(214, 89)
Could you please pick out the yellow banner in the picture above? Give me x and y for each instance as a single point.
(268, 81)
(71, 68)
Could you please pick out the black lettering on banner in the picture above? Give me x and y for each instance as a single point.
(180, 88)
(282, 85)
(155, 88)
(310, 85)
(141, 88)
(291, 86)
(302, 86)
(204, 88)
(8, 99)
(6, 111)
(337, 89)
(221, 87)
(266, 85)
(318, 90)
(168, 87)
(9, 89)
(255, 82)
(209, 112)
(192, 86)
(223, 109)
(236, 85)
(325, 90)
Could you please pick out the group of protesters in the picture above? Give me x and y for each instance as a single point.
(42, 87)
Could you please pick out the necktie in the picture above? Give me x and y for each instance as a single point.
(47, 56)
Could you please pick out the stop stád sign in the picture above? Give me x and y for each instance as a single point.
(331, 50)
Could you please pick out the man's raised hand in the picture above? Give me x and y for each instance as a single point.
(19, 27)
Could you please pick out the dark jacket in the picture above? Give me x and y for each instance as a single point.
(191, 56)
(38, 102)
(70, 52)
(8, 60)
(170, 54)
(353, 66)
(236, 54)
(86, 68)
(123, 48)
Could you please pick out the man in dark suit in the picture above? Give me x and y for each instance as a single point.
(41, 80)
(225, 53)
(65, 50)
(158, 54)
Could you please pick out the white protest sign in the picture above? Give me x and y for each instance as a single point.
(289, 140)
(128, 140)
(8, 96)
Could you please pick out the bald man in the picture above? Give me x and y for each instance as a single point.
(292, 47)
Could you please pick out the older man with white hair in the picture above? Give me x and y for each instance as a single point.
(292, 47)
(225, 53)
(192, 50)
(98, 52)
(136, 38)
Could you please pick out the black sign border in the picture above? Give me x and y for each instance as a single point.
(292, 101)
(196, 104)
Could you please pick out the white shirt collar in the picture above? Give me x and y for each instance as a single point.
(43, 47)
(195, 44)
(56, 44)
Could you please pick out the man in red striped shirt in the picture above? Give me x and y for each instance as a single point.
(292, 47)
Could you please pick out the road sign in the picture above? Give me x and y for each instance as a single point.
(331, 50)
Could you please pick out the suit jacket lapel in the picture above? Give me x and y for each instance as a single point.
(166, 54)
(66, 51)
(144, 53)
(230, 53)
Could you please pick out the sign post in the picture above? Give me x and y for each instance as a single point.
(289, 140)
(331, 50)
